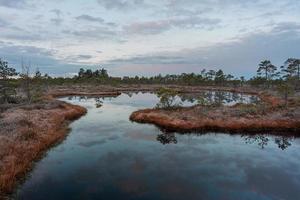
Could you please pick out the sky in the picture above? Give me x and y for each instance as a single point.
(148, 37)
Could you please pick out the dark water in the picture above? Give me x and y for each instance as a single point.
(106, 156)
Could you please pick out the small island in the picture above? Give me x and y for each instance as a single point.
(270, 115)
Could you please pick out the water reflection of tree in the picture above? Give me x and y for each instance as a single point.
(99, 102)
(217, 98)
(254, 99)
(187, 98)
(167, 138)
(83, 98)
(260, 140)
(80, 98)
(235, 97)
(209, 96)
(221, 98)
(283, 142)
(227, 97)
(129, 94)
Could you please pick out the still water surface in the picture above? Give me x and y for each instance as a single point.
(105, 156)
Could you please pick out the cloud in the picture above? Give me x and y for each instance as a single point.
(12, 3)
(7, 49)
(93, 33)
(57, 12)
(145, 28)
(286, 27)
(215, 3)
(15, 53)
(165, 35)
(26, 36)
(3, 23)
(260, 9)
(84, 57)
(58, 19)
(151, 59)
(156, 27)
(90, 18)
(37, 58)
(18, 33)
(78, 59)
(240, 56)
(121, 4)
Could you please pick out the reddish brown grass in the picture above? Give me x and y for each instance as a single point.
(26, 133)
(267, 117)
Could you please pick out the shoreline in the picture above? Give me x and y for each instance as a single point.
(239, 118)
(27, 133)
(33, 129)
(250, 126)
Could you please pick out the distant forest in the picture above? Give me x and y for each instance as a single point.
(286, 79)
(267, 75)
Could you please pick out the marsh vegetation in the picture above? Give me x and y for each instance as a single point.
(107, 155)
(32, 120)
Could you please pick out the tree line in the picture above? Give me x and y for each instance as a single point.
(13, 83)
(289, 71)
(286, 78)
(267, 76)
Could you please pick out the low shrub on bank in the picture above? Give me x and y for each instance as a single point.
(167, 99)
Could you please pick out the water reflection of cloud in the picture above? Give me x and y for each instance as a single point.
(92, 143)
(137, 135)
(112, 157)
(176, 188)
(35, 190)
(92, 131)
(113, 137)
(139, 165)
(85, 174)
(194, 139)
(60, 149)
(133, 187)
(122, 122)
(115, 161)
(272, 180)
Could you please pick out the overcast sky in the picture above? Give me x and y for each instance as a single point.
(147, 37)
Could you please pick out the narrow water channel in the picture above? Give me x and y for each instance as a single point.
(105, 156)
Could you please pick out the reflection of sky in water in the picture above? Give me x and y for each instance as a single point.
(106, 156)
(146, 100)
